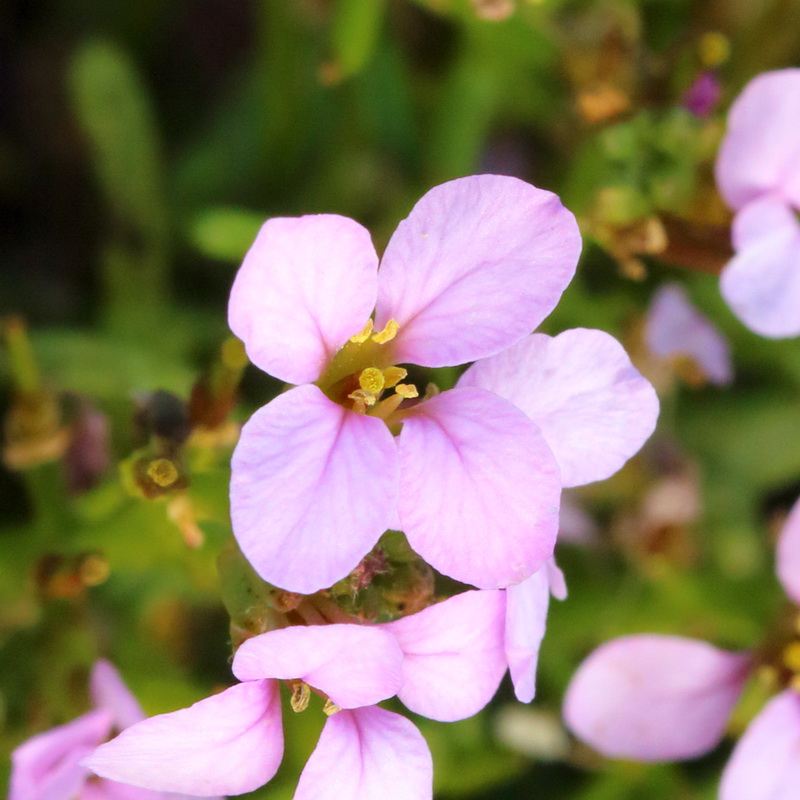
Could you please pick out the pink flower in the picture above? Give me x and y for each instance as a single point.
(675, 328)
(758, 174)
(662, 698)
(444, 662)
(324, 469)
(47, 767)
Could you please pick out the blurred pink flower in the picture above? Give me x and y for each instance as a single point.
(674, 328)
(47, 767)
(319, 474)
(758, 174)
(664, 698)
(444, 662)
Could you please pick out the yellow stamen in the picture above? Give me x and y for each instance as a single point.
(715, 49)
(362, 337)
(301, 694)
(393, 375)
(363, 396)
(162, 472)
(406, 390)
(767, 675)
(371, 380)
(388, 333)
(791, 656)
(330, 707)
(794, 683)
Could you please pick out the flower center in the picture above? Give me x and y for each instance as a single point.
(301, 694)
(362, 371)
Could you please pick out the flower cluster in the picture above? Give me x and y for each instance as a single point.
(472, 476)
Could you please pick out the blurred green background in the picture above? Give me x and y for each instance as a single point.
(141, 146)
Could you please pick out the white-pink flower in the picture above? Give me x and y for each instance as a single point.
(758, 174)
(444, 662)
(47, 766)
(324, 469)
(663, 698)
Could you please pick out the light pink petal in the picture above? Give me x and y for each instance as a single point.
(526, 620)
(229, 743)
(110, 692)
(366, 754)
(479, 488)
(674, 327)
(100, 789)
(765, 764)
(761, 283)
(787, 562)
(761, 150)
(478, 263)
(47, 766)
(353, 665)
(313, 486)
(593, 407)
(454, 658)
(761, 218)
(306, 285)
(654, 698)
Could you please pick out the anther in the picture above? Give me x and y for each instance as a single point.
(162, 472)
(330, 707)
(791, 657)
(392, 376)
(406, 390)
(362, 337)
(388, 333)
(362, 397)
(301, 694)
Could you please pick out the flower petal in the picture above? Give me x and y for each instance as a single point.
(526, 620)
(454, 658)
(110, 692)
(761, 150)
(368, 753)
(787, 561)
(47, 766)
(478, 263)
(765, 764)
(229, 743)
(654, 698)
(674, 327)
(313, 486)
(594, 409)
(353, 665)
(479, 488)
(306, 285)
(761, 283)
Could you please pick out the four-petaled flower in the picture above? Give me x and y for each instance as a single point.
(664, 698)
(445, 663)
(758, 174)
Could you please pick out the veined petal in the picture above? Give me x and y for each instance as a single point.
(526, 620)
(787, 561)
(306, 285)
(453, 655)
(765, 764)
(110, 692)
(368, 753)
(229, 743)
(354, 665)
(674, 327)
(479, 488)
(761, 283)
(761, 151)
(478, 263)
(654, 698)
(313, 486)
(47, 766)
(593, 407)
